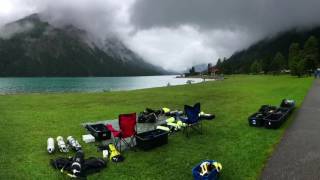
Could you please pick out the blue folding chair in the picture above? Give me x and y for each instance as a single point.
(192, 119)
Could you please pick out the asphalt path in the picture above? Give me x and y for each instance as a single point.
(297, 156)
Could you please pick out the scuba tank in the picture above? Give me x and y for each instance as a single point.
(73, 143)
(61, 144)
(77, 161)
(50, 145)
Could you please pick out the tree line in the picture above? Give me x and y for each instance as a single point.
(299, 59)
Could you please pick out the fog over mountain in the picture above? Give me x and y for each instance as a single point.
(173, 33)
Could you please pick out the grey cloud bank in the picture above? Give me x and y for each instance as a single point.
(174, 34)
(228, 25)
(267, 16)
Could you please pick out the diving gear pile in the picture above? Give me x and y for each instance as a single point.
(62, 146)
(208, 169)
(171, 125)
(272, 117)
(77, 166)
(108, 140)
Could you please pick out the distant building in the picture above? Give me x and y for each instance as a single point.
(212, 70)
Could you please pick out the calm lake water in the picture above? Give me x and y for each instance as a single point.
(86, 84)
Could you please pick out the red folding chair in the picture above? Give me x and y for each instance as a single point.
(127, 125)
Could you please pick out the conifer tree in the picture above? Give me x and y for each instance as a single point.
(294, 57)
(255, 67)
(311, 53)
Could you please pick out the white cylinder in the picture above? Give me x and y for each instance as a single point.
(105, 154)
(61, 144)
(50, 145)
(73, 143)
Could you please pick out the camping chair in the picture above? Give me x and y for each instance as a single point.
(127, 125)
(192, 119)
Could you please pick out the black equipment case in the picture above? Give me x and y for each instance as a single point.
(151, 139)
(99, 131)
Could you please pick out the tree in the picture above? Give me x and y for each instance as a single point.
(219, 63)
(282, 60)
(256, 67)
(192, 70)
(224, 59)
(278, 63)
(311, 53)
(223, 67)
(294, 57)
(265, 65)
(301, 68)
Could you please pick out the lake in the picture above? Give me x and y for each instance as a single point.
(87, 84)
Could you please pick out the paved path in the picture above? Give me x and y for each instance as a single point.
(298, 154)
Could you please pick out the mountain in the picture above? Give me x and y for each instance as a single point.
(200, 67)
(33, 47)
(197, 68)
(265, 50)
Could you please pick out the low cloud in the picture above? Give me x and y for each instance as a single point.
(172, 48)
(174, 34)
(8, 31)
(228, 25)
(102, 18)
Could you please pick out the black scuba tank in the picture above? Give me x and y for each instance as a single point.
(77, 161)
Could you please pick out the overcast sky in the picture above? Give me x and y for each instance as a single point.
(174, 33)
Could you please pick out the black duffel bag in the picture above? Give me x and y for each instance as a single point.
(147, 117)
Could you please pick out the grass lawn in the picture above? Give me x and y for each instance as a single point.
(27, 120)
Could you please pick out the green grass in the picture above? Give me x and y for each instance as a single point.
(27, 120)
